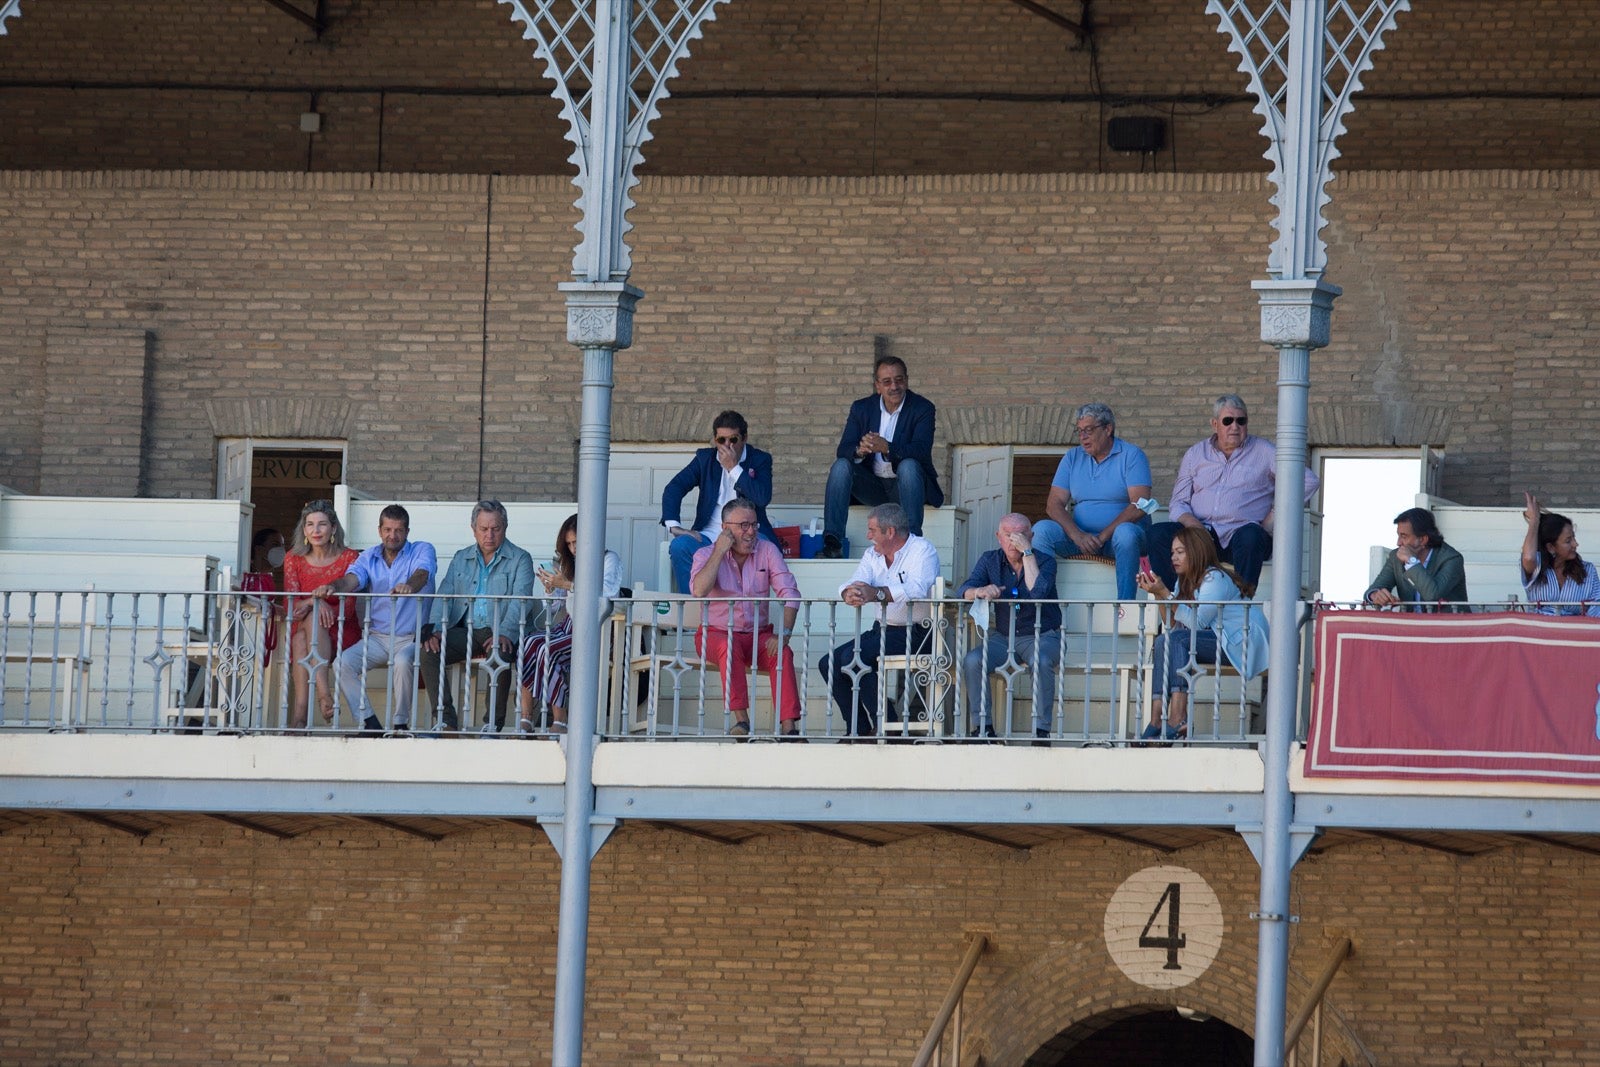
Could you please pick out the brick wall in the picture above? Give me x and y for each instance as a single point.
(202, 943)
(1465, 320)
(804, 87)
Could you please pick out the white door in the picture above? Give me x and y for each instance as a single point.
(983, 487)
(639, 473)
(233, 468)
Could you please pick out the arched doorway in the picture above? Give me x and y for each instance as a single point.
(1147, 1036)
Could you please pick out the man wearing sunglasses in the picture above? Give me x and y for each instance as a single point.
(729, 468)
(1225, 484)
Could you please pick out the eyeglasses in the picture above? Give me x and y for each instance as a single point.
(1085, 431)
(745, 526)
(727, 440)
(1229, 420)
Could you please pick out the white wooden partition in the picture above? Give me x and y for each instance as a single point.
(1490, 540)
(148, 526)
(447, 524)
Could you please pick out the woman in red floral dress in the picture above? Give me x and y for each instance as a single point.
(319, 556)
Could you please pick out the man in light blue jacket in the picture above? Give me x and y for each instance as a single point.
(467, 617)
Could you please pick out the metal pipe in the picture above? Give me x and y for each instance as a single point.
(584, 604)
(1302, 113)
(955, 1034)
(952, 999)
(607, 121)
(1313, 1001)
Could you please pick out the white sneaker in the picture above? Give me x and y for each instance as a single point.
(489, 729)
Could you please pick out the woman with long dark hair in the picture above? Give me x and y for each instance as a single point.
(547, 655)
(1556, 580)
(1210, 611)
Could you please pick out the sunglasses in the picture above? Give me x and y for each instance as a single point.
(727, 440)
(1242, 420)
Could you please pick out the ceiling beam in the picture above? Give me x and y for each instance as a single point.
(1077, 29)
(379, 820)
(705, 835)
(962, 831)
(260, 828)
(828, 831)
(316, 22)
(101, 820)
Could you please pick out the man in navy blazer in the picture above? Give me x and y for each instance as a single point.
(885, 455)
(729, 468)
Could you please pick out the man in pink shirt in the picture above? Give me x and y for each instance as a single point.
(739, 563)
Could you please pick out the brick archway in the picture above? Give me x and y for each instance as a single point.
(1077, 985)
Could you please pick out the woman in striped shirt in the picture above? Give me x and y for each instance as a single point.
(1555, 578)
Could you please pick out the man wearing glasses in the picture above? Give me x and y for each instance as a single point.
(729, 468)
(885, 456)
(1225, 484)
(736, 634)
(1093, 504)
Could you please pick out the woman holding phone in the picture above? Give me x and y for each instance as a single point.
(547, 655)
(1211, 612)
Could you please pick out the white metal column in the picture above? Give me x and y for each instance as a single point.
(1304, 59)
(591, 49)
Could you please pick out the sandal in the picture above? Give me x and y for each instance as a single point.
(790, 731)
(740, 729)
(525, 726)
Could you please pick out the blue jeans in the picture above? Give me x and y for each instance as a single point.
(1248, 549)
(855, 483)
(680, 552)
(1170, 657)
(1126, 545)
(1041, 655)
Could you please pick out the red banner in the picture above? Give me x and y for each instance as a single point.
(1501, 697)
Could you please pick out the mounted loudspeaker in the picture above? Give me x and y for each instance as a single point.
(1136, 133)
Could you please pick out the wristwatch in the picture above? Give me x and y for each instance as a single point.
(883, 596)
(1027, 552)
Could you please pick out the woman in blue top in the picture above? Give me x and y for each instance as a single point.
(1211, 607)
(1556, 580)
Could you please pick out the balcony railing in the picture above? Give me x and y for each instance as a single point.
(222, 662)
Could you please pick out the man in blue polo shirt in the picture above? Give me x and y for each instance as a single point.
(399, 568)
(1093, 505)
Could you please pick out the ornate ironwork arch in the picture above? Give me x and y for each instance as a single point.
(565, 36)
(1259, 31)
(9, 9)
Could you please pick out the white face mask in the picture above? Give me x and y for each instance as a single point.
(275, 556)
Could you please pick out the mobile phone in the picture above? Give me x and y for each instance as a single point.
(1144, 567)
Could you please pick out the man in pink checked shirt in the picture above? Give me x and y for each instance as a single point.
(739, 563)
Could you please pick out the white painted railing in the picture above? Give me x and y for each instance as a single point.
(208, 662)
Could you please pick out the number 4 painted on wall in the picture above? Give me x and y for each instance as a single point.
(1174, 940)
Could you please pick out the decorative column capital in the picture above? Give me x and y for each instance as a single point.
(1296, 313)
(600, 314)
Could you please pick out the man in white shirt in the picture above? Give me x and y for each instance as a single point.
(885, 455)
(731, 467)
(899, 568)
